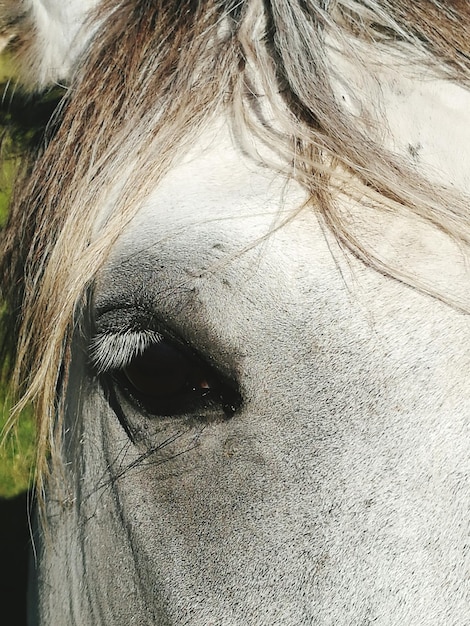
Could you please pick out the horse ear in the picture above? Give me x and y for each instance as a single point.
(47, 37)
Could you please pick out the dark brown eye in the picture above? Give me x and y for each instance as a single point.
(165, 380)
(163, 371)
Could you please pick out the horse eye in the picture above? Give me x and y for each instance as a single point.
(166, 381)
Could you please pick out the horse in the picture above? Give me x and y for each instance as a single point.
(236, 286)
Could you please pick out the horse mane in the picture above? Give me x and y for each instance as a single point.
(147, 82)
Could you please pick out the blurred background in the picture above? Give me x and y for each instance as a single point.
(23, 119)
(16, 448)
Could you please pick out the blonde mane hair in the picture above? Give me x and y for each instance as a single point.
(149, 81)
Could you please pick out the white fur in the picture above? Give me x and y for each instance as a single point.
(58, 37)
(337, 495)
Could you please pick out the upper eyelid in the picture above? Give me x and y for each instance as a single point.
(112, 351)
(122, 330)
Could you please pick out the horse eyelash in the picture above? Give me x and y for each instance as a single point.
(110, 351)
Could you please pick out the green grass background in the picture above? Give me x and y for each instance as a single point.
(17, 450)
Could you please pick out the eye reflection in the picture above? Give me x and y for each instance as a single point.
(165, 380)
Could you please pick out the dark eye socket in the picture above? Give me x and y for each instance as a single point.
(165, 380)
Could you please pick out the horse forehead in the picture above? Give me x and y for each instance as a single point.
(221, 225)
(238, 234)
(217, 194)
(214, 193)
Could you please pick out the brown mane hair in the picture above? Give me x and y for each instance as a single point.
(153, 75)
